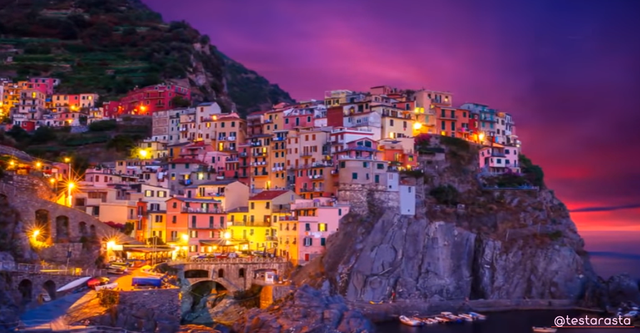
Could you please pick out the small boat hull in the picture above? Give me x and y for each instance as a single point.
(410, 321)
(544, 329)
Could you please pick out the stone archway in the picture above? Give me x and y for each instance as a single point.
(25, 287)
(43, 223)
(196, 273)
(62, 229)
(50, 287)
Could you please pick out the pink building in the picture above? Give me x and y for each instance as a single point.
(317, 219)
(147, 100)
(193, 223)
(497, 158)
(294, 118)
(44, 84)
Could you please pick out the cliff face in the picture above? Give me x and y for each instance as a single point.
(471, 243)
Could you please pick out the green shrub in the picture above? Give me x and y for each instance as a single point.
(445, 195)
(455, 143)
(532, 172)
(103, 125)
(108, 298)
(555, 235)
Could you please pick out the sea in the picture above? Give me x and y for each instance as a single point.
(611, 253)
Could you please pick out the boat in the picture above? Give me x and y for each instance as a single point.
(429, 321)
(452, 318)
(466, 317)
(410, 321)
(544, 329)
(442, 320)
(74, 284)
(372, 302)
(478, 316)
(631, 314)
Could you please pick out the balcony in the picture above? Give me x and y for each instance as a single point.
(278, 138)
(222, 138)
(310, 190)
(287, 218)
(251, 224)
(243, 154)
(272, 238)
(316, 177)
(259, 154)
(256, 144)
(232, 159)
(203, 210)
(277, 169)
(281, 209)
(260, 174)
(306, 154)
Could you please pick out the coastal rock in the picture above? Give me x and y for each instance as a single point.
(623, 288)
(9, 309)
(494, 245)
(306, 310)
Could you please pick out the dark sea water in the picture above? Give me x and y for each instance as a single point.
(503, 322)
(611, 253)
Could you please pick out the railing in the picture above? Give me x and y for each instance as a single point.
(305, 154)
(49, 269)
(287, 218)
(283, 209)
(251, 224)
(228, 260)
(203, 210)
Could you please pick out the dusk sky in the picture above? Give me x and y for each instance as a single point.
(569, 72)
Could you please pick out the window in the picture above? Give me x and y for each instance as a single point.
(210, 222)
(322, 227)
(193, 221)
(222, 222)
(174, 219)
(354, 175)
(380, 166)
(307, 227)
(377, 179)
(323, 241)
(342, 165)
(443, 125)
(365, 164)
(148, 193)
(267, 205)
(162, 194)
(453, 126)
(174, 205)
(339, 211)
(308, 241)
(391, 122)
(158, 218)
(253, 206)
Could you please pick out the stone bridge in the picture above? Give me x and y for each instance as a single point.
(29, 284)
(232, 274)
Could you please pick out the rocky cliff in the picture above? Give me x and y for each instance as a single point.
(464, 242)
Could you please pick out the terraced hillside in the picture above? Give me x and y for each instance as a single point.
(111, 46)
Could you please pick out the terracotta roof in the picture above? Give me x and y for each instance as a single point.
(268, 195)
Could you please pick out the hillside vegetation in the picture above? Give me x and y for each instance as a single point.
(111, 46)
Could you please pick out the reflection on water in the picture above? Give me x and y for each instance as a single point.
(503, 322)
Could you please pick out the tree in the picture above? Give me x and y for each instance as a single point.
(532, 172)
(121, 143)
(128, 228)
(445, 195)
(43, 134)
(155, 240)
(103, 125)
(18, 133)
(179, 101)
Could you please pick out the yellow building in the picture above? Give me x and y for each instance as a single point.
(10, 98)
(396, 122)
(255, 223)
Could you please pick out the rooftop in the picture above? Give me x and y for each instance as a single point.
(268, 194)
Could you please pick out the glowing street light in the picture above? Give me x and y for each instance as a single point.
(36, 233)
(143, 153)
(52, 181)
(38, 165)
(417, 126)
(111, 245)
(185, 237)
(481, 137)
(227, 235)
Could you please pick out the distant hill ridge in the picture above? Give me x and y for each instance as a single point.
(111, 46)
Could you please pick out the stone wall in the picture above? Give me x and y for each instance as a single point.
(154, 310)
(82, 254)
(359, 195)
(57, 223)
(231, 272)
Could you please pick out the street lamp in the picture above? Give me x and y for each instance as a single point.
(70, 187)
(143, 153)
(36, 233)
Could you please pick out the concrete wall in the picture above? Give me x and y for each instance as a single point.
(31, 285)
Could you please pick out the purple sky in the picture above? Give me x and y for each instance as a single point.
(569, 71)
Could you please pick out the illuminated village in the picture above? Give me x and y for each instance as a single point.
(207, 183)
